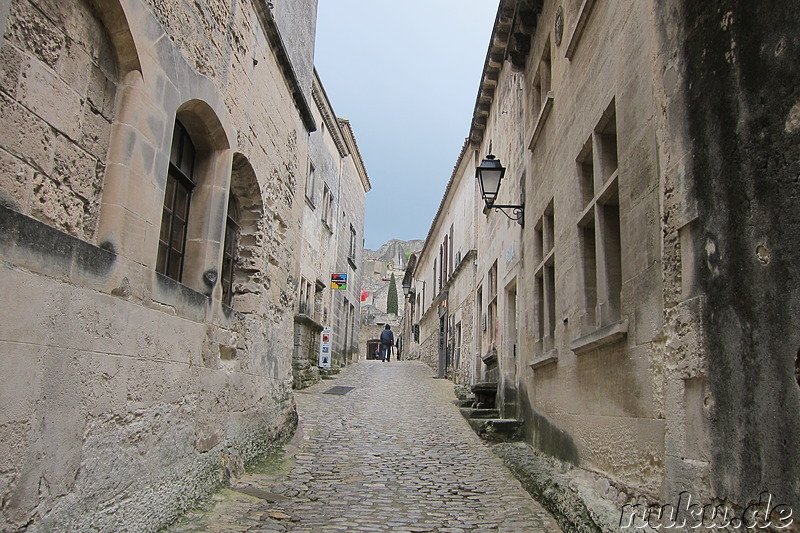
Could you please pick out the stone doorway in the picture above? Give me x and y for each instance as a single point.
(372, 346)
(508, 364)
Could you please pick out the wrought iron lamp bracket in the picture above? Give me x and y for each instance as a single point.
(517, 211)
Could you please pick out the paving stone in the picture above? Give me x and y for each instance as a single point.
(392, 455)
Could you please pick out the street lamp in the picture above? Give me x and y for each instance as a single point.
(489, 175)
(406, 288)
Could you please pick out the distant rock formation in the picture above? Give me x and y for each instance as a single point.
(395, 252)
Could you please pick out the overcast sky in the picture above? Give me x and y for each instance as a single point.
(406, 75)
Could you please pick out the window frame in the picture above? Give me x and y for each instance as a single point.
(183, 153)
(600, 237)
(311, 178)
(327, 206)
(230, 248)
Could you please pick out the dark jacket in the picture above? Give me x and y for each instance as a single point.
(387, 337)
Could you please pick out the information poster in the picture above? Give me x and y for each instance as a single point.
(338, 281)
(325, 348)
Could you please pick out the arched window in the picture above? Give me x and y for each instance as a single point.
(243, 255)
(175, 218)
(229, 251)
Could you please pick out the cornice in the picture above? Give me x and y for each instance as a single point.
(353, 145)
(328, 115)
(446, 194)
(276, 43)
(511, 37)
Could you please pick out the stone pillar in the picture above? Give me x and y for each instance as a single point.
(128, 191)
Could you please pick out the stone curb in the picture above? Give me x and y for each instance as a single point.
(562, 489)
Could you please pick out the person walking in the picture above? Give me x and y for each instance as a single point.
(387, 341)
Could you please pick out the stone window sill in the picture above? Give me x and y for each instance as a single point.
(544, 359)
(185, 301)
(541, 119)
(490, 357)
(609, 334)
(302, 318)
(580, 24)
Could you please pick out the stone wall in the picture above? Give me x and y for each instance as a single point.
(333, 218)
(734, 83)
(650, 292)
(58, 91)
(349, 213)
(297, 22)
(127, 395)
(305, 363)
(568, 309)
(588, 305)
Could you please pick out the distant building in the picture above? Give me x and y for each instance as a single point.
(379, 267)
(640, 323)
(333, 233)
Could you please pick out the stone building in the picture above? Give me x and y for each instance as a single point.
(378, 276)
(442, 295)
(639, 322)
(381, 266)
(346, 303)
(333, 230)
(153, 157)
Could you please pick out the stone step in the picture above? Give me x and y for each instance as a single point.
(469, 412)
(497, 429)
(485, 394)
(484, 386)
(328, 373)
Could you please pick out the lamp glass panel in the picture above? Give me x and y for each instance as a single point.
(490, 182)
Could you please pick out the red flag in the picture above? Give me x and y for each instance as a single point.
(364, 295)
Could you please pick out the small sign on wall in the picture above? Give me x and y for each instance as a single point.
(325, 348)
(338, 281)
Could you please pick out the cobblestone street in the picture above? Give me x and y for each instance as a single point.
(392, 454)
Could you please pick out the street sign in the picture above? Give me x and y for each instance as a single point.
(325, 348)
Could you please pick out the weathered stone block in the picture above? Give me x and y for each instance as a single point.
(95, 133)
(11, 66)
(15, 182)
(77, 169)
(53, 204)
(31, 138)
(52, 99)
(31, 30)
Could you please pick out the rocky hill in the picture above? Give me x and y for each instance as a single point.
(395, 251)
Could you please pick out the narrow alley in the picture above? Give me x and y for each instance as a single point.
(579, 217)
(390, 454)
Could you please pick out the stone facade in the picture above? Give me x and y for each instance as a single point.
(374, 316)
(622, 319)
(391, 259)
(346, 304)
(129, 388)
(377, 279)
(333, 229)
(444, 280)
